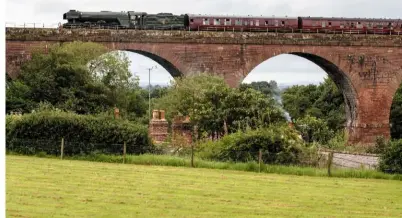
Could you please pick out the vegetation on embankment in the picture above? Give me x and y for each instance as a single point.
(44, 130)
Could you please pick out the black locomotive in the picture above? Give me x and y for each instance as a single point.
(129, 20)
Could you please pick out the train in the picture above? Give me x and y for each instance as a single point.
(192, 22)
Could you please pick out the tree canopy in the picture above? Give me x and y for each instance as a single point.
(79, 77)
(215, 108)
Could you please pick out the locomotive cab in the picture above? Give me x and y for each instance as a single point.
(186, 20)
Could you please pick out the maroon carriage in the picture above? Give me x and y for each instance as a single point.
(351, 25)
(238, 23)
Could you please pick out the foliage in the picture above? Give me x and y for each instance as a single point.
(279, 145)
(396, 115)
(83, 134)
(215, 108)
(314, 129)
(79, 77)
(391, 158)
(380, 146)
(269, 89)
(324, 102)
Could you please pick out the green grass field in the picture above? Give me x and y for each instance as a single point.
(41, 187)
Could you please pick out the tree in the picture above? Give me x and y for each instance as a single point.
(396, 115)
(324, 101)
(270, 89)
(314, 129)
(217, 109)
(79, 77)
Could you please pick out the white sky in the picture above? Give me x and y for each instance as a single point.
(300, 71)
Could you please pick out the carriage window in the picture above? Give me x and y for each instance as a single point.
(205, 21)
(266, 22)
(245, 22)
(238, 22)
(329, 23)
(283, 22)
(191, 20)
(257, 22)
(217, 22)
(228, 22)
(251, 23)
(276, 23)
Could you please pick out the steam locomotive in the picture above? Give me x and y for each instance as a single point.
(169, 21)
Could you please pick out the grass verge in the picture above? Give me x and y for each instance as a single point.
(167, 160)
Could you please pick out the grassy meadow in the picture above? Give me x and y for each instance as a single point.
(46, 187)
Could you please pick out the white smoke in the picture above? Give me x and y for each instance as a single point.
(278, 98)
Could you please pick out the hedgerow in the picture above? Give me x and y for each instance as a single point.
(279, 145)
(82, 134)
(391, 157)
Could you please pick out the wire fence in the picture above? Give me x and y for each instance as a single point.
(220, 29)
(69, 148)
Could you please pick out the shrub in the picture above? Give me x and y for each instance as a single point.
(391, 158)
(83, 134)
(279, 145)
(379, 147)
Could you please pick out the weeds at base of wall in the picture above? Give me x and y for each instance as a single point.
(174, 161)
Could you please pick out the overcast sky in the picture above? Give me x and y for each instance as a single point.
(284, 69)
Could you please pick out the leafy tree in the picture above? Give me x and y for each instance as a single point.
(79, 77)
(391, 157)
(217, 109)
(314, 129)
(396, 115)
(270, 89)
(324, 101)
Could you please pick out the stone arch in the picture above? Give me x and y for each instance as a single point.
(162, 54)
(340, 78)
(172, 69)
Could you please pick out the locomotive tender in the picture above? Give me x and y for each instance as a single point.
(169, 21)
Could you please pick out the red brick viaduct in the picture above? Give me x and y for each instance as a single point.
(367, 68)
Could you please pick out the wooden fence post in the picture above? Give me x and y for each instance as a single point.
(259, 160)
(192, 154)
(124, 152)
(329, 163)
(62, 148)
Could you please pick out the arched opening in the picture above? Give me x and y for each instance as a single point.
(298, 68)
(342, 82)
(155, 74)
(146, 57)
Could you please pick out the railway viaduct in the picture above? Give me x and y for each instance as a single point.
(367, 68)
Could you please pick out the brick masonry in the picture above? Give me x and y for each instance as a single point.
(367, 68)
(159, 129)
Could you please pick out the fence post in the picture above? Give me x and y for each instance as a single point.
(62, 148)
(259, 160)
(192, 154)
(124, 152)
(329, 162)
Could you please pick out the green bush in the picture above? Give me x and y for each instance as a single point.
(279, 145)
(83, 134)
(391, 158)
